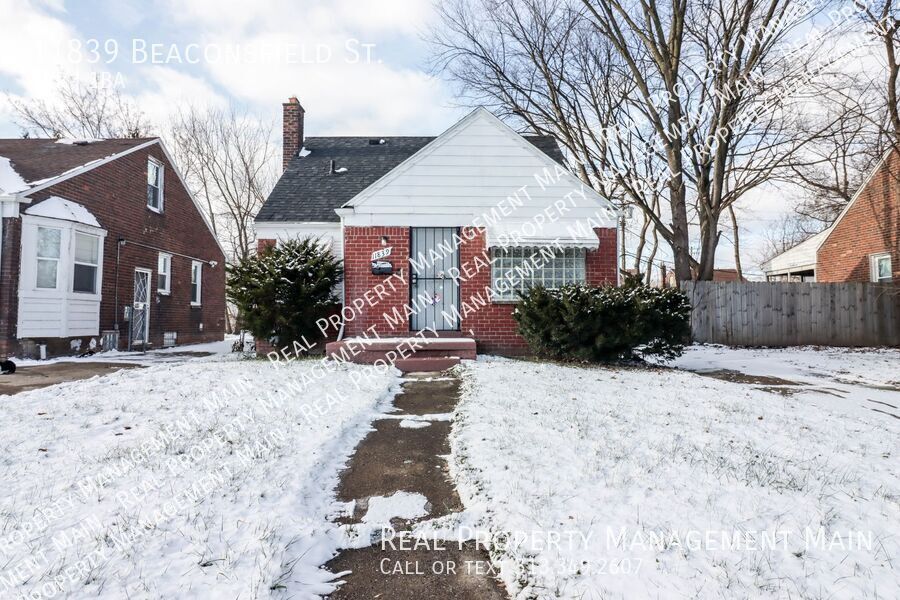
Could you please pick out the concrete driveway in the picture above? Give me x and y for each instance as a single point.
(39, 376)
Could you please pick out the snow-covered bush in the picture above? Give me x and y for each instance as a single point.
(282, 291)
(581, 322)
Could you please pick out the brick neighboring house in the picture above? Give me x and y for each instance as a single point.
(476, 202)
(92, 227)
(862, 245)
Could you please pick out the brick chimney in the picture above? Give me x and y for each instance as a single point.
(292, 130)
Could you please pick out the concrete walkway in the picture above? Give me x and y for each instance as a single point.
(396, 458)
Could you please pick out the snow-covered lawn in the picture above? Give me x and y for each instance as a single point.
(208, 479)
(659, 483)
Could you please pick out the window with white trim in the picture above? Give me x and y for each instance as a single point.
(518, 269)
(49, 243)
(164, 273)
(154, 185)
(881, 267)
(196, 282)
(86, 263)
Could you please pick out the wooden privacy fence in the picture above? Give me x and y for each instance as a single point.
(794, 314)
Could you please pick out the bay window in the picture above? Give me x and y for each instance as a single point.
(86, 263)
(518, 269)
(48, 254)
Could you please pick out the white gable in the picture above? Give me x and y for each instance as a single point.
(478, 172)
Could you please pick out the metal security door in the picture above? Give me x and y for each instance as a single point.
(140, 311)
(434, 283)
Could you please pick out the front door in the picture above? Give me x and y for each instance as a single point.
(434, 283)
(140, 309)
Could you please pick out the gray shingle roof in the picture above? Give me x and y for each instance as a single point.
(308, 192)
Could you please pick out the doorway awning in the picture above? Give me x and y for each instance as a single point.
(568, 233)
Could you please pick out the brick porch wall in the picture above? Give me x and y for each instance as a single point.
(871, 226)
(359, 243)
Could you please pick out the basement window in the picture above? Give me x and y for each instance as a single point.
(519, 269)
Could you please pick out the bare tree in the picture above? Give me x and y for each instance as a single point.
(682, 103)
(93, 109)
(230, 162)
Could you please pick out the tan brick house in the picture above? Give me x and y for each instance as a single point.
(862, 245)
(95, 232)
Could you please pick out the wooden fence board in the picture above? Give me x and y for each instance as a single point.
(789, 314)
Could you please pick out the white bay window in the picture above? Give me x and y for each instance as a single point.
(86, 263)
(48, 254)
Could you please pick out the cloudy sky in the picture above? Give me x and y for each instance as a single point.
(359, 67)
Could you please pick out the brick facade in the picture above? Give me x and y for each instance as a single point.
(491, 324)
(116, 194)
(870, 226)
(9, 284)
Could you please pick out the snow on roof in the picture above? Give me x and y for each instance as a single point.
(55, 207)
(78, 141)
(10, 181)
(801, 257)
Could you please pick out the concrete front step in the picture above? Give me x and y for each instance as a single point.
(427, 365)
(407, 354)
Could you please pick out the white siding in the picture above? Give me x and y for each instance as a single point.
(56, 313)
(472, 168)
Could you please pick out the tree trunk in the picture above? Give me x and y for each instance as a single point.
(737, 243)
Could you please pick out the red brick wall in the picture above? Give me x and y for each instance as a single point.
(262, 244)
(490, 324)
(116, 194)
(359, 243)
(871, 226)
(9, 284)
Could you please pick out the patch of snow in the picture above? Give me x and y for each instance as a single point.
(55, 207)
(204, 479)
(414, 424)
(304, 152)
(600, 482)
(341, 170)
(10, 180)
(399, 505)
(79, 141)
(428, 417)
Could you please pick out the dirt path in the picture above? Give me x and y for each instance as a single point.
(402, 455)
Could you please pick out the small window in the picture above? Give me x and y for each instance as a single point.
(881, 268)
(154, 185)
(196, 282)
(48, 247)
(164, 273)
(517, 269)
(87, 261)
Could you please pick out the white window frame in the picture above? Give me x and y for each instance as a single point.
(570, 267)
(874, 259)
(164, 259)
(38, 258)
(197, 267)
(161, 184)
(95, 266)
